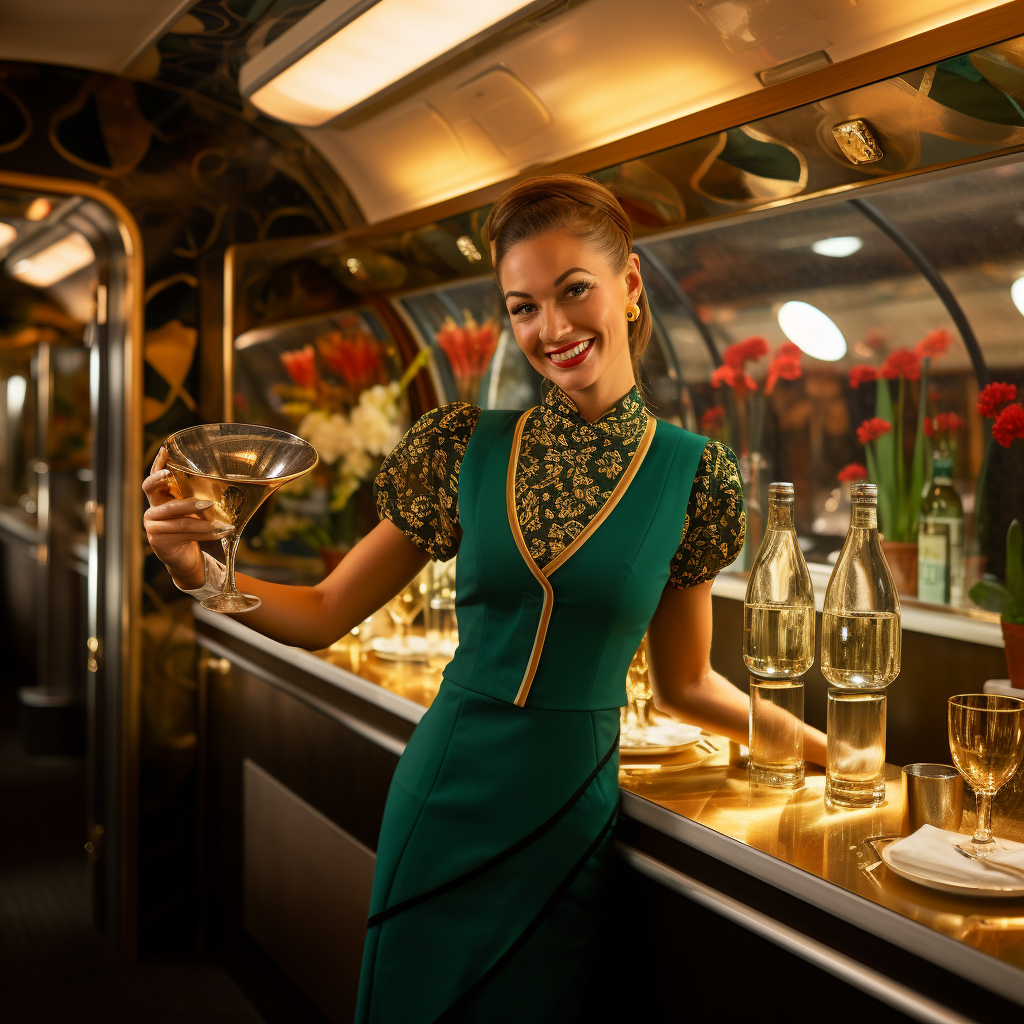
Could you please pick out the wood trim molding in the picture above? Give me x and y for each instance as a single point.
(131, 499)
(970, 33)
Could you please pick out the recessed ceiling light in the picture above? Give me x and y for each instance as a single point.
(56, 262)
(38, 208)
(1017, 294)
(841, 245)
(330, 61)
(812, 331)
(8, 233)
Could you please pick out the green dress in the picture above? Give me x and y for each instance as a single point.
(491, 884)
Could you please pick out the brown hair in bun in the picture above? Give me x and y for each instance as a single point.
(583, 208)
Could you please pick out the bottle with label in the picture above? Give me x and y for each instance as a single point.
(861, 643)
(940, 538)
(778, 647)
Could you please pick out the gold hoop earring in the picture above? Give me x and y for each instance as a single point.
(632, 312)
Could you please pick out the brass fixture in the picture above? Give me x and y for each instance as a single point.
(857, 143)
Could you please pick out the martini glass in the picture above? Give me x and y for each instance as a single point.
(237, 466)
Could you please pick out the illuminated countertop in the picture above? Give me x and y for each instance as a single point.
(786, 838)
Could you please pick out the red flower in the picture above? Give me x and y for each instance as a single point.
(955, 423)
(995, 397)
(735, 378)
(469, 348)
(929, 426)
(873, 429)
(942, 421)
(785, 364)
(862, 374)
(1009, 424)
(739, 353)
(933, 344)
(901, 363)
(711, 419)
(353, 356)
(300, 365)
(854, 471)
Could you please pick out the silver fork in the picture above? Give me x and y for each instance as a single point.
(1011, 869)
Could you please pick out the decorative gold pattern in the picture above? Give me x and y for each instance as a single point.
(716, 519)
(567, 470)
(566, 552)
(857, 142)
(418, 485)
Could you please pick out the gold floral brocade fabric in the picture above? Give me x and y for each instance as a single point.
(567, 469)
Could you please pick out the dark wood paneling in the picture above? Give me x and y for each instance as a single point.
(340, 773)
(933, 669)
(722, 967)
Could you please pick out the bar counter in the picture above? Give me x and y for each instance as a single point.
(709, 863)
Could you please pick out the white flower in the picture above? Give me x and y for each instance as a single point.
(330, 434)
(375, 419)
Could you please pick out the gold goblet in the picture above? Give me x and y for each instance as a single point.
(403, 609)
(640, 692)
(237, 466)
(986, 739)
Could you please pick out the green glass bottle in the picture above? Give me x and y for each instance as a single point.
(940, 538)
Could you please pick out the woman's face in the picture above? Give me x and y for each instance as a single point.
(568, 309)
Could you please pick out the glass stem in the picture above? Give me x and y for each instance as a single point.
(641, 714)
(230, 546)
(983, 830)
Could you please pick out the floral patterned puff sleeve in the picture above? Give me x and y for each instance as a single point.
(417, 487)
(716, 519)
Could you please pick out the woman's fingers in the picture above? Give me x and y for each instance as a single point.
(175, 507)
(156, 488)
(159, 462)
(187, 528)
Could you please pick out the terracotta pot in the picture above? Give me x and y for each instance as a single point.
(332, 558)
(902, 558)
(1013, 637)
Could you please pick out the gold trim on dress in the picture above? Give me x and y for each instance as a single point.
(541, 575)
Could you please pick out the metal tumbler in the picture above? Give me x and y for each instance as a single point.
(933, 794)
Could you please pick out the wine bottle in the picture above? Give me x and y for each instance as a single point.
(778, 646)
(860, 656)
(940, 538)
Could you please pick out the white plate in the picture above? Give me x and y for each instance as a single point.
(922, 877)
(412, 648)
(666, 736)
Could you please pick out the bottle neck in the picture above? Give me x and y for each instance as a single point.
(780, 515)
(864, 517)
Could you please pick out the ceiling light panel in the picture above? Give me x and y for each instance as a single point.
(54, 263)
(378, 47)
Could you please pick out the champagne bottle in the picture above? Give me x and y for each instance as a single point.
(860, 656)
(778, 646)
(940, 538)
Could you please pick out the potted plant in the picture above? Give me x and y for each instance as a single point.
(1008, 600)
(900, 483)
(742, 424)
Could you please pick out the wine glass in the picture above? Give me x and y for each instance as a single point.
(403, 609)
(986, 739)
(640, 691)
(237, 466)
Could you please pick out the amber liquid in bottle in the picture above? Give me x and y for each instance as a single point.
(778, 647)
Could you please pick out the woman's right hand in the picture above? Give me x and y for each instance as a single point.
(176, 526)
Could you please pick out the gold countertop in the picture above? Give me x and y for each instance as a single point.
(796, 828)
(792, 826)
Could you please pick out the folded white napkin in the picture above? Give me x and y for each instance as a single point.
(662, 734)
(929, 851)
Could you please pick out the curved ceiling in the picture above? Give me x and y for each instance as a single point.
(580, 74)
